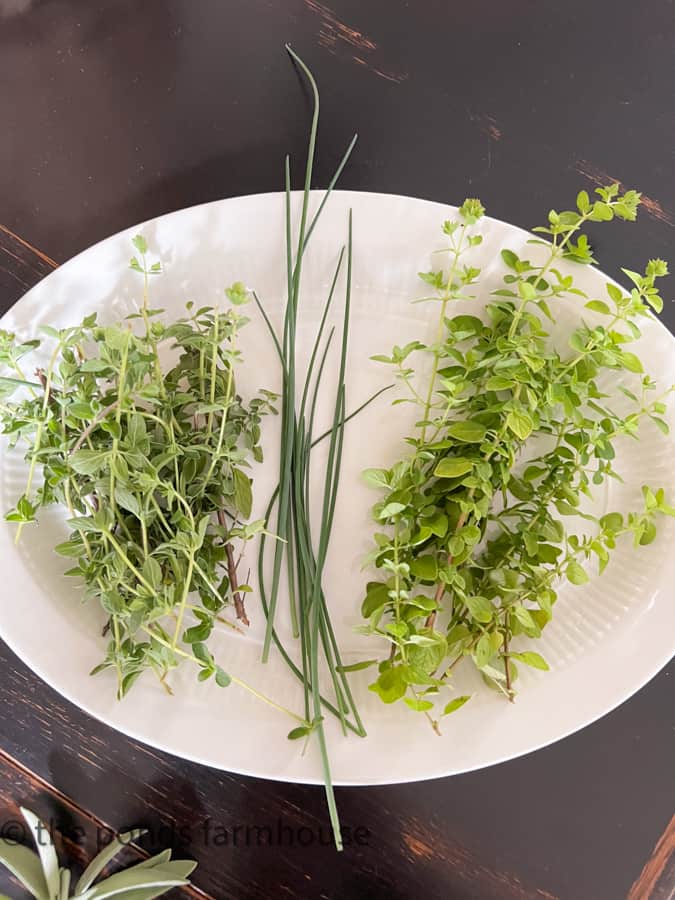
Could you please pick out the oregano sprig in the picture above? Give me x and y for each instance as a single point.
(472, 527)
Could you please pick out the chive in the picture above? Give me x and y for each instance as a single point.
(305, 555)
(319, 334)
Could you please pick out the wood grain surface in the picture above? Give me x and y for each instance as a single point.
(115, 111)
(657, 879)
(77, 835)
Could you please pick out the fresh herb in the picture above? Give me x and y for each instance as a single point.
(152, 463)
(304, 550)
(514, 432)
(41, 874)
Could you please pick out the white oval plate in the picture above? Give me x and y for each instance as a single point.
(606, 640)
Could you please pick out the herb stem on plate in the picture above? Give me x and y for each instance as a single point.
(151, 632)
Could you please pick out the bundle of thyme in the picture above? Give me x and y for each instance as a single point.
(151, 460)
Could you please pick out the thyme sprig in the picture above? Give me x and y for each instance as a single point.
(138, 429)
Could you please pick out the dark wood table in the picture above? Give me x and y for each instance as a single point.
(114, 111)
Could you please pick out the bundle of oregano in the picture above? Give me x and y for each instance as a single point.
(140, 433)
(513, 432)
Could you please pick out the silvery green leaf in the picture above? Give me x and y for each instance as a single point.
(177, 868)
(101, 860)
(158, 860)
(65, 884)
(142, 893)
(119, 884)
(25, 865)
(46, 852)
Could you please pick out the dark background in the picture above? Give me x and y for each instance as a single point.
(115, 112)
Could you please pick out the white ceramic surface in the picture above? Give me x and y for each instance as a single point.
(607, 638)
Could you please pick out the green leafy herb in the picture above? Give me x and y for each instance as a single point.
(153, 464)
(478, 521)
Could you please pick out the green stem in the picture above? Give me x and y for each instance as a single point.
(39, 430)
(183, 601)
(235, 680)
(441, 326)
(118, 420)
